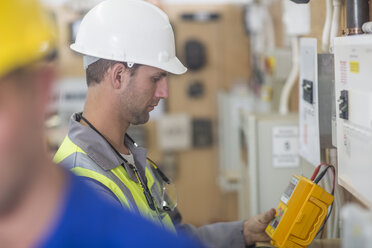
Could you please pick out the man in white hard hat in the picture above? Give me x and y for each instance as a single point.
(129, 49)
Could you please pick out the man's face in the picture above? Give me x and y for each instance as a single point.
(145, 89)
(22, 108)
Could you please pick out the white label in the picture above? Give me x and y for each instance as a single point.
(289, 190)
(285, 147)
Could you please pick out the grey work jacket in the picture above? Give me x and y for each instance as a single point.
(229, 234)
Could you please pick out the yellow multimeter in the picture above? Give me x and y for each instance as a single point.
(300, 213)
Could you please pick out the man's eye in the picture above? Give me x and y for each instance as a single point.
(155, 80)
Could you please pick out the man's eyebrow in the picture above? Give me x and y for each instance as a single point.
(161, 74)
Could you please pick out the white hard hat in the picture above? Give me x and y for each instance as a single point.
(131, 31)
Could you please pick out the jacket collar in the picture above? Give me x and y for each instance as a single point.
(101, 152)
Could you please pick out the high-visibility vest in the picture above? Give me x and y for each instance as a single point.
(127, 191)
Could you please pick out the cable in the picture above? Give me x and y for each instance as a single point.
(321, 175)
(291, 80)
(335, 23)
(325, 220)
(327, 26)
(316, 179)
(317, 171)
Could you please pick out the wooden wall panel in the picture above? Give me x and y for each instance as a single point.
(201, 200)
(71, 64)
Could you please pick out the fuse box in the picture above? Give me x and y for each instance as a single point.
(353, 92)
(300, 213)
(272, 149)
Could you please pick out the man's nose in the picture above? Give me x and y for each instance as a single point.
(162, 90)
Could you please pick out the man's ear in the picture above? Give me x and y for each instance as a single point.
(118, 76)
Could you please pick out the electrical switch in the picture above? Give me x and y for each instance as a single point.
(344, 105)
(307, 87)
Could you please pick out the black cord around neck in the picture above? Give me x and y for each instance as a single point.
(146, 190)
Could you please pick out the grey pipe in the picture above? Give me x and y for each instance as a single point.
(357, 13)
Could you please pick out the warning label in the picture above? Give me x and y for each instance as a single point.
(285, 147)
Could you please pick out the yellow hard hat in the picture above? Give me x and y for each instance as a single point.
(26, 34)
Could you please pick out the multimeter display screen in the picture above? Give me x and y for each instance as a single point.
(289, 190)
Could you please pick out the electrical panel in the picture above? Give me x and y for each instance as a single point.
(229, 137)
(272, 143)
(202, 132)
(174, 132)
(315, 101)
(278, 67)
(353, 91)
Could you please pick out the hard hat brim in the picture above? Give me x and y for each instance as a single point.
(173, 66)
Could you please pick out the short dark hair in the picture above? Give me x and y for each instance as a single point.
(97, 70)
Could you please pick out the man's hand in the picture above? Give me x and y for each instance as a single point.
(254, 229)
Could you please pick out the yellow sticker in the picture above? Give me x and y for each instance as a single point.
(272, 63)
(354, 66)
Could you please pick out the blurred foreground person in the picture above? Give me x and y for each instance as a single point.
(129, 49)
(41, 205)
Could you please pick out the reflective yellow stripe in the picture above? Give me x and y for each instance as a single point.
(140, 199)
(150, 178)
(66, 149)
(104, 180)
(134, 188)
